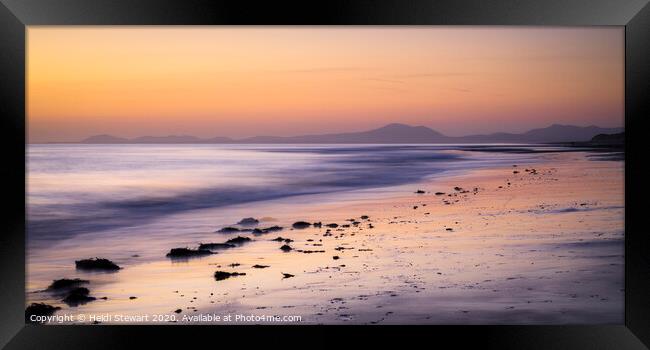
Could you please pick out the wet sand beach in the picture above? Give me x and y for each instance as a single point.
(538, 240)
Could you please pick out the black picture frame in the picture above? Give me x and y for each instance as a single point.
(15, 15)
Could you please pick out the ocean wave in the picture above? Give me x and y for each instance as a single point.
(334, 169)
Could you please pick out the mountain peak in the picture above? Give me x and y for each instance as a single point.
(404, 130)
(402, 126)
(567, 133)
(396, 125)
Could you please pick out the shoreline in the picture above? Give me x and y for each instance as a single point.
(376, 269)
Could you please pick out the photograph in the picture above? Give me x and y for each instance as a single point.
(325, 175)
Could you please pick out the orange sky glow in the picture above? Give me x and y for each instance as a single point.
(247, 81)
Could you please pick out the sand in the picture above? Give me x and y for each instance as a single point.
(542, 246)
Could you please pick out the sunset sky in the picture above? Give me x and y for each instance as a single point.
(247, 81)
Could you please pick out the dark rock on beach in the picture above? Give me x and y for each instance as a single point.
(209, 246)
(301, 224)
(222, 275)
(229, 230)
(267, 230)
(39, 309)
(186, 252)
(96, 264)
(257, 266)
(287, 275)
(440, 193)
(419, 191)
(248, 222)
(332, 225)
(318, 224)
(238, 240)
(281, 239)
(286, 248)
(66, 283)
(78, 296)
(365, 217)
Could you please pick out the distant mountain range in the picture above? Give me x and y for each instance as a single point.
(391, 133)
(608, 140)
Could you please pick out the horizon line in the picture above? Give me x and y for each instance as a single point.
(321, 134)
